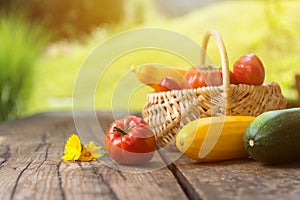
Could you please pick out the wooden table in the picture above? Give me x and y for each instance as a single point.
(31, 168)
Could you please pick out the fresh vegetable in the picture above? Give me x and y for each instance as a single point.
(152, 74)
(211, 77)
(130, 141)
(167, 84)
(214, 138)
(231, 76)
(194, 79)
(273, 137)
(203, 76)
(249, 70)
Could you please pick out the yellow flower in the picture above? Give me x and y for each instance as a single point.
(90, 152)
(73, 148)
(74, 151)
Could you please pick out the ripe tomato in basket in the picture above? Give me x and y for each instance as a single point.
(212, 77)
(130, 141)
(193, 79)
(231, 77)
(249, 70)
(202, 77)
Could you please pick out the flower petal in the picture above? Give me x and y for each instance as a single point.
(73, 148)
(93, 149)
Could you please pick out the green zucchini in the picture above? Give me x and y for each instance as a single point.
(274, 136)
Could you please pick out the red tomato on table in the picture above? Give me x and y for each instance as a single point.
(130, 141)
(249, 70)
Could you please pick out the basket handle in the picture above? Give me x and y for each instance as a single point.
(224, 59)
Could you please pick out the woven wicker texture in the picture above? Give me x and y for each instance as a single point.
(167, 112)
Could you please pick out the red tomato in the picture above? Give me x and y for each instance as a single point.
(231, 77)
(211, 77)
(249, 70)
(194, 78)
(202, 77)
(130, 141)
(167, 84)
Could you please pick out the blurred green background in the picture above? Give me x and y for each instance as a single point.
(44, 43)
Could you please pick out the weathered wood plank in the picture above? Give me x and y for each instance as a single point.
(239, 179)
(29, 142)
(31, 166)
(96, 179)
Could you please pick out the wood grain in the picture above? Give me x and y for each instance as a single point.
(30, 172)
(31, 165)
(241, 179)
(31, 168)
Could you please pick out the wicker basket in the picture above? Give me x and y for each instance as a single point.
(167, 112)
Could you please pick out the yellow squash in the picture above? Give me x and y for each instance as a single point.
(152, 74)
(214, 138)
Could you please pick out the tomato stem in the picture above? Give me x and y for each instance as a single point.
(120, 130)
(123, 131)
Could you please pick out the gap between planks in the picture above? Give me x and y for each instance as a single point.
(186, 186)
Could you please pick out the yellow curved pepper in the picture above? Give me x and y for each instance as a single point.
(152, 74)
